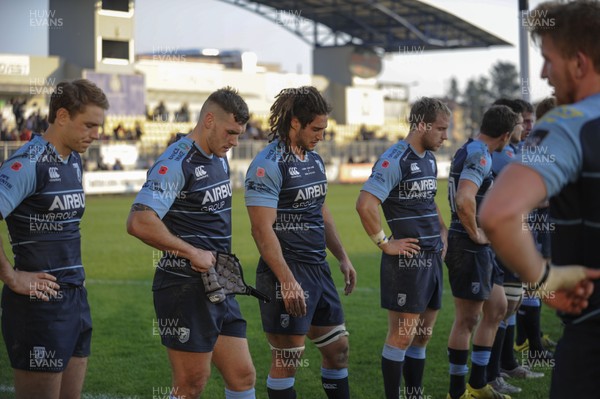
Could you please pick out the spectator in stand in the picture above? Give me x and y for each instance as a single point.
(18, 111)
(3, 129)
(138, 131)
(183, 115)
(118, 165)
(365, 134)
(330, 135)
(41, 123)
(129, 135)
(252, 132)
(160, 113)
(119, 132)
(101, 165)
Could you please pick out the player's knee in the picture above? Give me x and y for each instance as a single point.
(334, 347)
(421, 340)
(499, 315)
(495, 314)
(401, 341)
(285, 361)
(335, 355)
(245, 379)
(339, 358)
(468, 322)
(193, 383)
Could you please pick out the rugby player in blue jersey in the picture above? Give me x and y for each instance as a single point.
(291, 225)
(513, 288)
(562, 165)
(529, 334)
(46, 320)
(184, 210)
(475, 278)
(404, 183)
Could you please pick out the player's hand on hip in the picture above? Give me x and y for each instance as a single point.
(39, 285)
(402, 246)
(480, 237)
(567, 288)
(293, 298)
(202, 260)
(349, 275)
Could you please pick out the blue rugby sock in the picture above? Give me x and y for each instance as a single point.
(480, 357)
(458, 370)
(281, 388)
(392, 359)
(414, 366)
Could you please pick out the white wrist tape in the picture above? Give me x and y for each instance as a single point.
(379, 238)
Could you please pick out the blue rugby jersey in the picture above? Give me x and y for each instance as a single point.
(406, 183)
(473, 162)
(563, 149)
(507, 155)
(42, 201)
(191, 192)
(278, 179)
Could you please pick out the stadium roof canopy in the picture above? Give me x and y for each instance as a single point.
(388, 25)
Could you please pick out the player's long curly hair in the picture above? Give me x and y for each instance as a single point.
(304, 103)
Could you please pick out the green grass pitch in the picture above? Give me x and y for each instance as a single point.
(128, 360)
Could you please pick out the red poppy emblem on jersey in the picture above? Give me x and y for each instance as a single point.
(16, 166)
(385, 164)
(260, 172)
(163, 170)
(483, 161)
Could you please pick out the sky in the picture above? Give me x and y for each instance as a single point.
(184, 24)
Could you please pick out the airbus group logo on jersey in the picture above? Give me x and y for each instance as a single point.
(423, 189)
(53, 173)
(66, 202)
(217, 193)
(200, 172)
(307, 195)
(214, 198)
